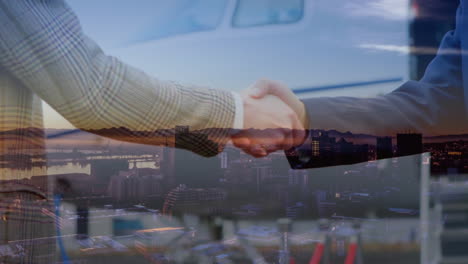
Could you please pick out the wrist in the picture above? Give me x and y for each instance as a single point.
(303, 118)
(239, 113)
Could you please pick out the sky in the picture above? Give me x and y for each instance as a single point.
(124, 28)
(112, 24)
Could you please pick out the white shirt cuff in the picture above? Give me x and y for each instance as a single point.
(239, 116)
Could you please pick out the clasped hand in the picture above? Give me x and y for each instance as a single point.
(274, 119)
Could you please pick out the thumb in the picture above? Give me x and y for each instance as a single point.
(241, 142)
(257, 92)
(259, 89)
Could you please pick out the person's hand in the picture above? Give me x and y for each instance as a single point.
(269, 125)
(263, 88)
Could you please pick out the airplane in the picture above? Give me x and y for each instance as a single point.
(316, 47)
(311, 45)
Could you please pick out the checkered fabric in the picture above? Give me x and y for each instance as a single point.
(27, 232)
(45, 55)
(42, 45)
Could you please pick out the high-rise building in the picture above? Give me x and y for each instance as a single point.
(327, 151)
(185, 167)
(262, 173)
(168, 167)
(202, 201)
(135, 185)
(344, 152)
(279, 165)
(323, 145)
(384, 148)
(298, 177)
(409, 144)
(103, 170)
(224, 160)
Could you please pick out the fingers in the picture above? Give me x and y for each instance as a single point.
(261, 88)
(265, 143)
(256, 151)
(241, 141)
(288, 141)
(258, 89)
(249, 143)
(263, 146)
(270, 123)
(299, 136)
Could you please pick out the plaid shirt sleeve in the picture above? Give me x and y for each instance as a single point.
(42, 45)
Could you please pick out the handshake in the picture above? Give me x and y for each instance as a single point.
(274, 119)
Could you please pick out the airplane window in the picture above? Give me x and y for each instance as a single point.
(186, 16)
(267, 12)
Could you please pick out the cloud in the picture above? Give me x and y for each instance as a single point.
(404, 49)
(384, 47)
(386, 9)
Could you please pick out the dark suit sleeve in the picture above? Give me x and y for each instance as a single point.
(435, 105)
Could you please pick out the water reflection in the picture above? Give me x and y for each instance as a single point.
(67, 166)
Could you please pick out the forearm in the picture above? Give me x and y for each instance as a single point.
(433, 106)
(416, 106)
(50, 54)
